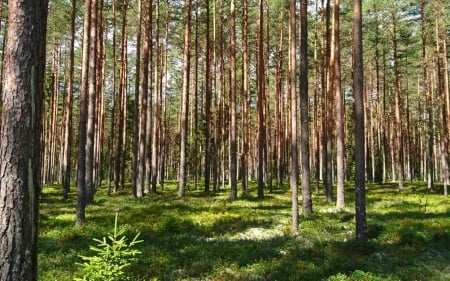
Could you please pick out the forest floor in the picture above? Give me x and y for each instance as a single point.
(208, 237)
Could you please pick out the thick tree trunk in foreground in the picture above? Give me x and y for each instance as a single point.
(20, 139)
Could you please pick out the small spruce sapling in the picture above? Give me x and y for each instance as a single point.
(114, 256)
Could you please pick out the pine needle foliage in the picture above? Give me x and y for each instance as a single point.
(113, 257)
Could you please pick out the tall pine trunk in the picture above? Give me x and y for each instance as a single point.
(157, 113)
(82, 192)
(185, 100)
(304, 109)
(137, 101)
(293, 116)
(90, 126)
(398, 104)
(340, 200)
(67, 138)
(20, 181)
(233, 142)
(208, 95)
(260, 102)
(358, 88)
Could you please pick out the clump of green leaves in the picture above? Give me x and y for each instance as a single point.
(113, 257)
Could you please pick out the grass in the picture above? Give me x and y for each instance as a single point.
(208, 237)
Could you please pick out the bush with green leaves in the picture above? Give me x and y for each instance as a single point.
(113, 257)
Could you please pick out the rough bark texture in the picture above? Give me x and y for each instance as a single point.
(20, 143)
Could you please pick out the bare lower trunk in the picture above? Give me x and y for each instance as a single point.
(20, 181)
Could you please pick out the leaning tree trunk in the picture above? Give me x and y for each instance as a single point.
(20, 147)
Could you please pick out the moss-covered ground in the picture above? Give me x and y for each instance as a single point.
(208, 237)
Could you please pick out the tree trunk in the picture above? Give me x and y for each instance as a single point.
(317, 139)
(149, 111)
(340, 200)
(100, 98)
(157, 115)
(137, 101)
(398, 105)
(304, 107)
(279, 105)
(328, 128)
(260, 102)
(20, 156)
(358, 88)
(233, 143)
(185, 100)
(208, 95)
(121, 117)
(293, 103)
(111, 142)
(90, 126)
(82, 194)
(67, 138)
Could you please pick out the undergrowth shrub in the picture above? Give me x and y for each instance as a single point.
(113, 257)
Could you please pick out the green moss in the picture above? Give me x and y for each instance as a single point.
(208, 237)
